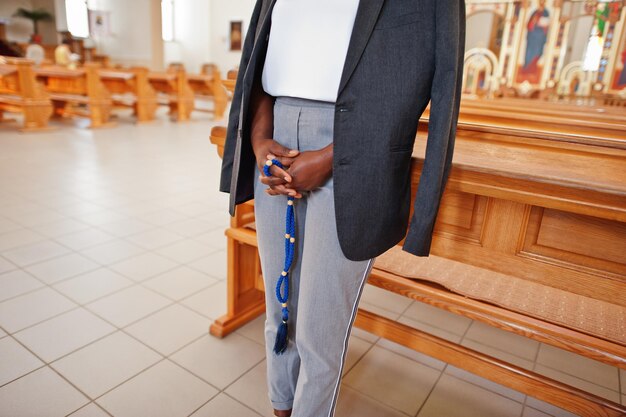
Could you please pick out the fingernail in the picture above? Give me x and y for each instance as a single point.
(287, 179)
(270, 156)
(293, 152)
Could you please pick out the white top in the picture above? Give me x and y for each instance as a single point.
(307, 47)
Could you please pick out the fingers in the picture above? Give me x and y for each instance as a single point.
(273, 180)
(276, 171)
(280, 150)
(283, 190)
(285, 160)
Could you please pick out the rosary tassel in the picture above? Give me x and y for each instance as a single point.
(282, 334)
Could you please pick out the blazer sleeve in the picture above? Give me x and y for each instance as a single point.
(445, 98)
(228, 161)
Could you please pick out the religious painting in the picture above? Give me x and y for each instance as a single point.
(236, 35)
(536, 30)
(619, 72)
(99, 23)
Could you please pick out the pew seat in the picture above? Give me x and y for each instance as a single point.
(131, 88)
(173, 91)
(20, 93)
(78, 92)
(527, 241)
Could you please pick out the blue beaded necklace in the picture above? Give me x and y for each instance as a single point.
(290, 239)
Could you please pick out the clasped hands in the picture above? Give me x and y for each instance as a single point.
(302, 171)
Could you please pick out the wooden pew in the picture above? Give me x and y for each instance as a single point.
(131, 88)
(530, 238)
(20, 93)
(78, 92)
(207, 84)
(175, 92)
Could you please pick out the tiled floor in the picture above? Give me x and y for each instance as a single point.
(112, 266)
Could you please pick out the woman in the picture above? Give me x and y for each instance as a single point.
(334, 89)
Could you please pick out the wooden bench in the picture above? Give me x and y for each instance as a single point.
(78, 92)
(175, 92)
(131, 88)
(20, 93)
(530, 238)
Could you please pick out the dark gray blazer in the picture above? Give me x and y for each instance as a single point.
(402, 54)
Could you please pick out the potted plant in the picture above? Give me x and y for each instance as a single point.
(35, 15)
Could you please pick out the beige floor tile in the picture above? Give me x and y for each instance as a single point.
(485, 383)
(412, 354)
(578, 383)
(230, 358)
(547, 408)
(84, 239)
(210, 302)
(224, 406)
(254, 330)
(81, 208)
(185, 251)
(385, 299)
(392, 379)
(531, 412)
(36, 252)
(101, 217)
(63, 267)
(63, 334)
(17, 282)
(87, 287)
(144, 266)
(190, 227)
(112, 252)
(154, 238)
(193, 209)
(128, 305)
(36, 218)
(356, 349)
(104, 364)
(90, 410)
(15, 361)
(125, 227)
(352, 403)
(33, 307)
(61, 227)
(6, 266)
(453, 397)
(179, 282)
(40, 393)
(437, 317)
(170, 329)
(251, 390)
(502, 340)
(164, 390)
(215, 238)
(213, 265)
(7, 225)
(18, 238)
(579, 366)
(162, 217)
(499, 354)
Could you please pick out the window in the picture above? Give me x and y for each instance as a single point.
(77, 19)
(167, 20)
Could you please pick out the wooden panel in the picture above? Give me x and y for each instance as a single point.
(597, 245)
(461, 215)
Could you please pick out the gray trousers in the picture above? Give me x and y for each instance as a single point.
(325, 286)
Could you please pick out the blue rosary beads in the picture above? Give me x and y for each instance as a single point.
(290, 239)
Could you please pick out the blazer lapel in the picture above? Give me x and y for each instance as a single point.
(364, 22)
